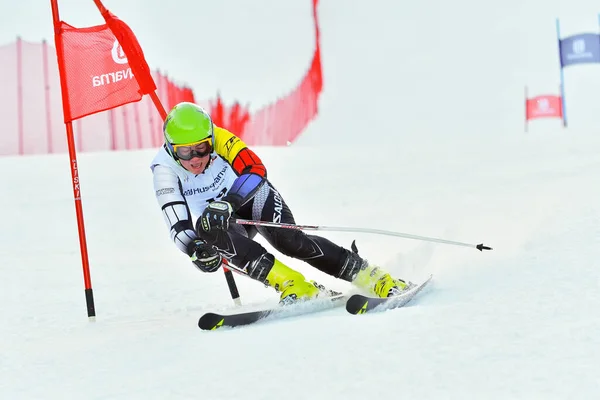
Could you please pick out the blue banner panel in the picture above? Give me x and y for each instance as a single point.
(580, 49)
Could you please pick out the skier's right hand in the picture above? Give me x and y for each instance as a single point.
(205, 256)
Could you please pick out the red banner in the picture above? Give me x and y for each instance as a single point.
(545, 106)
(96, 71)
(131, 46)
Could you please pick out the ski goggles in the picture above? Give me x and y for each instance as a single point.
(188, 151)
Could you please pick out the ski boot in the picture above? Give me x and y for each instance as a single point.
(291, 284)
(370, 278)
(378, 282)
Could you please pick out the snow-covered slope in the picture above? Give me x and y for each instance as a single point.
(420, 132)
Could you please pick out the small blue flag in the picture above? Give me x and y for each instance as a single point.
(580, 49)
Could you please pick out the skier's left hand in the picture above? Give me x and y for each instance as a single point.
(206, 257)
(216, 216)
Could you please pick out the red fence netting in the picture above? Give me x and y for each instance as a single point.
(32, 116)
(31, 110)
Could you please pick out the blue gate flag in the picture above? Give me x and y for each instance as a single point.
(580, 49)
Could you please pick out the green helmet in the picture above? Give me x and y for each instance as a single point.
(187, 123)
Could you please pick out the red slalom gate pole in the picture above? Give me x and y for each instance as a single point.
(89, 296)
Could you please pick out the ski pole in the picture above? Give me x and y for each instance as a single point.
(233, 290)
(235, 268)
(479, 247)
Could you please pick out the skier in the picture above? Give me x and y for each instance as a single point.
(207, 174)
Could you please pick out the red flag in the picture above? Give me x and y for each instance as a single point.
(546, 106)
(132, 48)
(95, 71)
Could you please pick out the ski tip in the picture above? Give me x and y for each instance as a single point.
(482, 247)
(210, 322)
(356, 303)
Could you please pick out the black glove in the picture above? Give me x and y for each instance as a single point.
(205, 256)
(216, 216)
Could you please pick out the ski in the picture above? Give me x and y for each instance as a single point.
(355, 304)
(360, 304)
(211, 321)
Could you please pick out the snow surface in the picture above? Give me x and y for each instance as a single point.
(518, 322)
